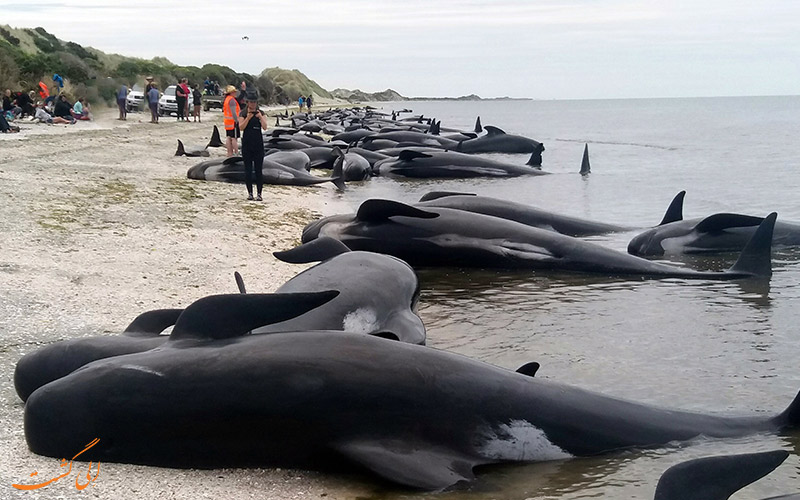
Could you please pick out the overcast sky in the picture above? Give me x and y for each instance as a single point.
(563, 49)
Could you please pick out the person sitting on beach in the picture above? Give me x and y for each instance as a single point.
(9, 105)
(44, 117)
(5, 127)
(80, 111)
(25, 104)
(63, 109)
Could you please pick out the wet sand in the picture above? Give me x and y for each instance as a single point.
(99, 223)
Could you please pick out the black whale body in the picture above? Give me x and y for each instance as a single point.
(411, 414)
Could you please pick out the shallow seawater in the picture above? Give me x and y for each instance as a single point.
(728, 347)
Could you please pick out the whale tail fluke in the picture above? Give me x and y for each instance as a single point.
(216, 141)
(180, 151)
(585, 167)
(674, 211)
(536, 158)
(756, 258)
(716, 478)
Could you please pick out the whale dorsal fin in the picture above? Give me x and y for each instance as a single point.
(423, 466)
(491, 130)
(379, 210)
(408, 155)
(478, 128)
(219, 317)
(435, 195)
(152, 323)
(319, 249)
(756, 257)
(585, 167)
(180, 151)
(720, 222)
(529, 369)
(716, 478)
(215, 140)
(232, 160)
(239, 282)
(674, 211)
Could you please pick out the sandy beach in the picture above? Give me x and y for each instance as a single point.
(99, 223)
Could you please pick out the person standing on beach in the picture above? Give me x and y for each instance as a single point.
(152, 99)
(252, 121)
(180, 98)
(230, 112)
(122, 96)
(308, 103)
(197, 99)
(300, 103)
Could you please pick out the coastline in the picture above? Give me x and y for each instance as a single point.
(99, 223)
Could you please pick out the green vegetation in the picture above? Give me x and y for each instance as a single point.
(28, 56)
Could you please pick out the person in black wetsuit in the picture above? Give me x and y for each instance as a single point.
(251, 122)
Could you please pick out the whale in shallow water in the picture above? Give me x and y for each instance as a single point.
(723, 232)
(421, 417)
(448, 164)
(497, 141)
(378, 294)
(717, 478)
(524, 214)
(433, 236)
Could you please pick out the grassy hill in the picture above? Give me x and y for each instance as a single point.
(28, 56)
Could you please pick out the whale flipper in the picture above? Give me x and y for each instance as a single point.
(408, 155)
(316, 250)
(529, 369)
(716, 478)
(674, 211)
(152, 323)
(756, 258)
(721, 222)
(435, 195)
(425, 467)
(226, 316)
(239, 282)
(378, 210)
(337, 174)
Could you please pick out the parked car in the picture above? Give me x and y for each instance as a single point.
(168, 103)
(135, 99)
(212, 101)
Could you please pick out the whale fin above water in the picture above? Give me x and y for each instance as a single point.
(756, 258)
(716, 478)
(720, 222)
(316, 250)
(180, 151)
(409, 155)
(674, 211)
(529, 369)
(239, 282)
(418, 466)
(378, 210)
(478, 128)
(435, 195)
(585, 167)
(226, 316)
(152, 323)
(491, 130)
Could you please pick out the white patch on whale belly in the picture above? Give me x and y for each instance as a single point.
(142, 369)
(521, 441)
(678, 244)
(362, 320)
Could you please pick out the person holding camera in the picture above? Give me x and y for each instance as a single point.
(251, 122)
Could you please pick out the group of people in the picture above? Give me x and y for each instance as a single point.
(246, 121)
(50, 109)
(307, 101)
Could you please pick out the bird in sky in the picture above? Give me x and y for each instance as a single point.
(245, 37)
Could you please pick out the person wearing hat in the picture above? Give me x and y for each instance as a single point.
(149, 85)
(230, 112)
(252, 121)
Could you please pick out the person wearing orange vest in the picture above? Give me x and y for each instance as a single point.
(231, 110)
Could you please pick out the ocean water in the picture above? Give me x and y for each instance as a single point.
(716, 347)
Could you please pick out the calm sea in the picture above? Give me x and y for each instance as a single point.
(718, 347)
